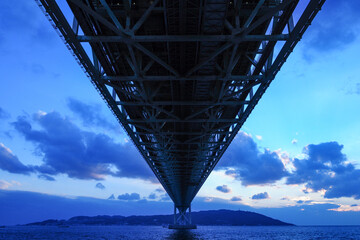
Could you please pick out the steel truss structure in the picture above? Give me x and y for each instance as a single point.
(181, 76)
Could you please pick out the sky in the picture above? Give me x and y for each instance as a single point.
(62, 153)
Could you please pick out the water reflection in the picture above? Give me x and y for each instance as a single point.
(179, 234)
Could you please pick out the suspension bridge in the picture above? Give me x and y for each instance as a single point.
(181, 76)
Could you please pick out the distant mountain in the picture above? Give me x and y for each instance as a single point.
(213, 217)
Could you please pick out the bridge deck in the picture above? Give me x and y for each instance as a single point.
(181, 76)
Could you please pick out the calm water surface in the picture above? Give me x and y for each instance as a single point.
(203, 232)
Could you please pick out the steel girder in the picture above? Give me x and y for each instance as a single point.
(181, 76)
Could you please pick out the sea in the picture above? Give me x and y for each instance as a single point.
(158, 232)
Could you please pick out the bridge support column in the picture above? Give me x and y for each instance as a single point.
(182, 220)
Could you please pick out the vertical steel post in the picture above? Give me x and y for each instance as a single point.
(174, 214)
(190, 213)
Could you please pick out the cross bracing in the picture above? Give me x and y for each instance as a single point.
(181, 76)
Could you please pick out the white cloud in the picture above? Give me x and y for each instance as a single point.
(259, 137)
(294, 141)
(6, 149)
(346, 208)
(4, 184)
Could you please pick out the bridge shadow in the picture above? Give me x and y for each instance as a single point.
(179, 234)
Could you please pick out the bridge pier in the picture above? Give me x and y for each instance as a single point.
(182, 219)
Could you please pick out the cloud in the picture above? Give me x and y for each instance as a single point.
(294, 141)
(25, 207)
(346, 208)
(66, 149)
(236, 199)
(304, 201)
(112, 197)
(10, 163)
(223, 188)
(4, 184)
(89, 114)
(160, 190)
(334, 27)
(152, 196)
(260, 196)
(46, 177)
(20, 207)
(165, 197)
(3, 114)
(13, 18)
(100, 186)
(129, 197)
(259, 137)
(325, 167)
(244, 161)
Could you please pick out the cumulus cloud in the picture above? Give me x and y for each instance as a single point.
(100, 186)
(10, 163)
(46, 177)
(129, 197)
(260, 196)
(326, 168)
(112, 197)
(223, 188)
(67, 149)
(89, 114)
(152, 196)
(244, 161)
(236, 199)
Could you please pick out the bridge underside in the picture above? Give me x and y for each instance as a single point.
(181, 76)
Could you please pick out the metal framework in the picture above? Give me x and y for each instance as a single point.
(181, 76)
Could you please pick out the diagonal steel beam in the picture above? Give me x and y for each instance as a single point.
(144, 17)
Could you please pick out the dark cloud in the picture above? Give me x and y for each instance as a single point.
(66, 149)
(37, 69)
(14, 20)
(46, 177)
(112, 197)
(160, 190)
(304, 202)
(3, 114)
(326, 168)
(260, 196)
(152, 196)
(89, 114)
(165, 197)
(334, 27)
(129, 197)
(245, 162)
(236, 199)
(100, 186)
(223, 188)
(10, 163)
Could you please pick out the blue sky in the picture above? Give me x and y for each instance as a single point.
(63, 154)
